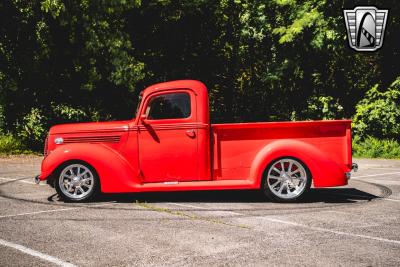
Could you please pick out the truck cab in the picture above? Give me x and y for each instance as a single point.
(174, 133)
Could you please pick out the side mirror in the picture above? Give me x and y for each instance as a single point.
(143, 117)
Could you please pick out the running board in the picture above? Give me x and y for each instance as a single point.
(197, 185)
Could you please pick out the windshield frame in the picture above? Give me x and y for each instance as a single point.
(140, 99)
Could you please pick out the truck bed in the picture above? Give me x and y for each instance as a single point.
(236, 145)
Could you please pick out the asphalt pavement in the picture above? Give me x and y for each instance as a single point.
(355, 225)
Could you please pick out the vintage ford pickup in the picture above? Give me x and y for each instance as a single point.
(171, 146)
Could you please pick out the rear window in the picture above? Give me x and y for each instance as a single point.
(169, 106)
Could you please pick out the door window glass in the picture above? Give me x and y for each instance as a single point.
(169, 106)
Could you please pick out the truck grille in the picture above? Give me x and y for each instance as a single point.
(92, 139)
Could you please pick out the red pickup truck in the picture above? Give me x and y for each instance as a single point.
(171, 146)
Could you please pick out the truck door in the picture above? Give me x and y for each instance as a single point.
(168, 137)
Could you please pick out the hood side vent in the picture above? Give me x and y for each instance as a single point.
(92, 139)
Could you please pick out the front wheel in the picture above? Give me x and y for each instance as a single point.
(76, 182)
(286, 180)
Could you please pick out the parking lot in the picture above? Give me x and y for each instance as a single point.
(357, 225)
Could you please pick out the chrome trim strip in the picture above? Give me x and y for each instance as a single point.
(173, 126)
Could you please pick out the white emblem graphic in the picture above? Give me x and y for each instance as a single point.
(365, 27)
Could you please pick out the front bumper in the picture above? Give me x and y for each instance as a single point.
(44, 175)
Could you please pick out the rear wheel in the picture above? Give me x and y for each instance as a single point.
(286, 180)
(76, 182)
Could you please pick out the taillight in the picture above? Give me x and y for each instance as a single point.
(45, 152)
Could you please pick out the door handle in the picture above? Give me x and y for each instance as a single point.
(191, 133)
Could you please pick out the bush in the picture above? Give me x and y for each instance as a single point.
(325, 107)
(10, 145)
(378, 114)
(66, 113)
(372, 147)
(320, 108)
(33, 129)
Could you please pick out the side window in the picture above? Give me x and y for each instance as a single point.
(169, 106)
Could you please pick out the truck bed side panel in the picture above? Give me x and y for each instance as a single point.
(237, 145)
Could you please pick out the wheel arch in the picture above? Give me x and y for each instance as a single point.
(57, 170)
(285, 157)
(317, 162)
(114, 172)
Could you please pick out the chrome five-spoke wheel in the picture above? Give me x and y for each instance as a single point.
(286, 180)
(76, 182)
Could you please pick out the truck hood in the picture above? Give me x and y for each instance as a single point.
(88, 127)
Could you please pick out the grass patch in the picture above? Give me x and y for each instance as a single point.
(190, 216)
(9, 145)
(372, 147)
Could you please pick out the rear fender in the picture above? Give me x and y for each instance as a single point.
(115, 173)
(324, 171)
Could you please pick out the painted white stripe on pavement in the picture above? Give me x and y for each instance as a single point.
(22, 181)
(319, 229)
(383, 168)
(366, 197)
(208, 209)
(55, 210)
(36, 254)
(391, 199)
(373, 175)
(188, 206)
(37, 212)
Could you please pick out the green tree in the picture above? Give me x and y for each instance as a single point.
(66, 52)
(261, 60)
(378, 114)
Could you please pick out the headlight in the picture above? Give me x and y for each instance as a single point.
(58, 140)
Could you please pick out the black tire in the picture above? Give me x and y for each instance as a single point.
(296, 181)
(91, 179)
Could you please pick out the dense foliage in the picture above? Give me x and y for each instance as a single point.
(11, 145)
(372, 147)
(378, 114)
(69, 60)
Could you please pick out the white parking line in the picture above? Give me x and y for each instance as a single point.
(55, 210)
(353, 196)
(382, 168)
(391, 199)
(338, 212)
(319, 229)
(373, 175)
(195, 207)
(37, 212)
(366, 197)
(187, 206)
(21, 181)
(226, 212)
(36, 254)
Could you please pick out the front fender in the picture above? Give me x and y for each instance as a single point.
(116, 174)
(324, 171)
